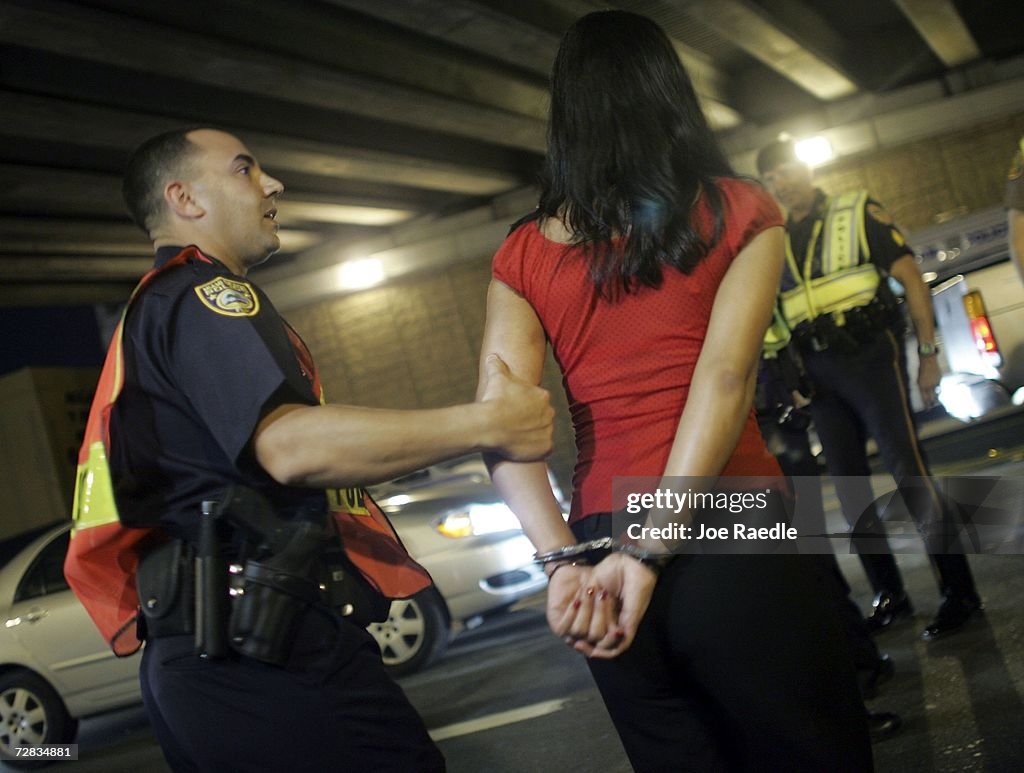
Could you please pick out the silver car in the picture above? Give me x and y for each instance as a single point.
(453, 522)
(55, 666)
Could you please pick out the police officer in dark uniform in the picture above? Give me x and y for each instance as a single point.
(836, 302)
(219, 391)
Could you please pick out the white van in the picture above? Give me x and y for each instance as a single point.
(979, 310)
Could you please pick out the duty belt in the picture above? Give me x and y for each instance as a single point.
(846, 332)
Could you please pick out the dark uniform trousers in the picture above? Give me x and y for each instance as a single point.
(332, 708)
(863, 394)
(739, 664)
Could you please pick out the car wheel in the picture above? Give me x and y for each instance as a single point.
(31, 714)
(415, 633)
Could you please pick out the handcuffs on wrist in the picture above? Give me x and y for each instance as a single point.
(593, 551)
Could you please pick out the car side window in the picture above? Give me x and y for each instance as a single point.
(46, 574)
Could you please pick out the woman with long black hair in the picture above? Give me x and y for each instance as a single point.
(652, 269)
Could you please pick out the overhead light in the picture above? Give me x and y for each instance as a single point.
(814, 151)
(358, 274)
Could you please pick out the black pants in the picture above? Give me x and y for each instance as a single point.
(333, 708)
(792, 449)
(740, 664)
(865, 394)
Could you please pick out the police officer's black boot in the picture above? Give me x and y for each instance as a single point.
(960, 598)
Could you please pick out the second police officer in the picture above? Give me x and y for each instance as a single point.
(845, 327)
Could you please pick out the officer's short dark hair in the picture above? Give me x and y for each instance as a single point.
(779, 152)
(153, 164)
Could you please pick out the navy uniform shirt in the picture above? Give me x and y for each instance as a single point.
(886, 244)
(206, 357)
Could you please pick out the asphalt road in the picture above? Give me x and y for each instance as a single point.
(511, 698)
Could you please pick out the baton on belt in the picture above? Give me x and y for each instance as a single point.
(210, 588)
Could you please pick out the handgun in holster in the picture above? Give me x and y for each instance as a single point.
(296, 564)
(274, 585)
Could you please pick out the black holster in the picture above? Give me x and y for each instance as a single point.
(270, 595)
(165, 584)
(286, 569)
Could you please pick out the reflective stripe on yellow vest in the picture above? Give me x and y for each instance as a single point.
(847, 280)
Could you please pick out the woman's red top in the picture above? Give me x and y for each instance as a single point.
(627, 363)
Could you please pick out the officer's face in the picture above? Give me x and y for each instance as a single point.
(790, 182)
(238, 200)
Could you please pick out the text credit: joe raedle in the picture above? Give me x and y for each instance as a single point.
(718, 505)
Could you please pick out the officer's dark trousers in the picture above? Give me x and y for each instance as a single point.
(333, 708)
(865, 394)
(739, 664)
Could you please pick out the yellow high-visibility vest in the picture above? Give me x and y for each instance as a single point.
(848, 280)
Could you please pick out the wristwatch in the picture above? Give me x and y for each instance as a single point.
(927, 349)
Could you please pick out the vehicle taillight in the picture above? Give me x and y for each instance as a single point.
(981, 329)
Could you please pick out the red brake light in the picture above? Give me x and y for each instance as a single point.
(984, 338)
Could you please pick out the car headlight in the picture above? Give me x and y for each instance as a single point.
(475, 520)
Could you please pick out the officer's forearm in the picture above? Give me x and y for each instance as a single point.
(919, 298)
(337, 445)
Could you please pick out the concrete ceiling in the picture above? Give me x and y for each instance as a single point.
(379, 114)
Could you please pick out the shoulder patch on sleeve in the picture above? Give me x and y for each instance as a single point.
(877, 211)
(229, 297)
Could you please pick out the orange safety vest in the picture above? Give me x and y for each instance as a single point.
(103, 555)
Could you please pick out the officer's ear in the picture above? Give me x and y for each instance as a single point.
(181, 200)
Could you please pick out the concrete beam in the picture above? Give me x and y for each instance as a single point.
(752, 29)
(867, 124)
(59, 120)
(353, 42)
(943, 29)
(114, 40)
(67, 193)
(490, 32)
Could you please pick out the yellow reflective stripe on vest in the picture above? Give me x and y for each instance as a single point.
(846, 238)
(94, 493)
(801, 276)
(848, 280)
(837, 292)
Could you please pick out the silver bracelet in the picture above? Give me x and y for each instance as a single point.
(579, 562)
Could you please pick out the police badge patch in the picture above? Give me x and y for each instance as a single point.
(228, 297)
